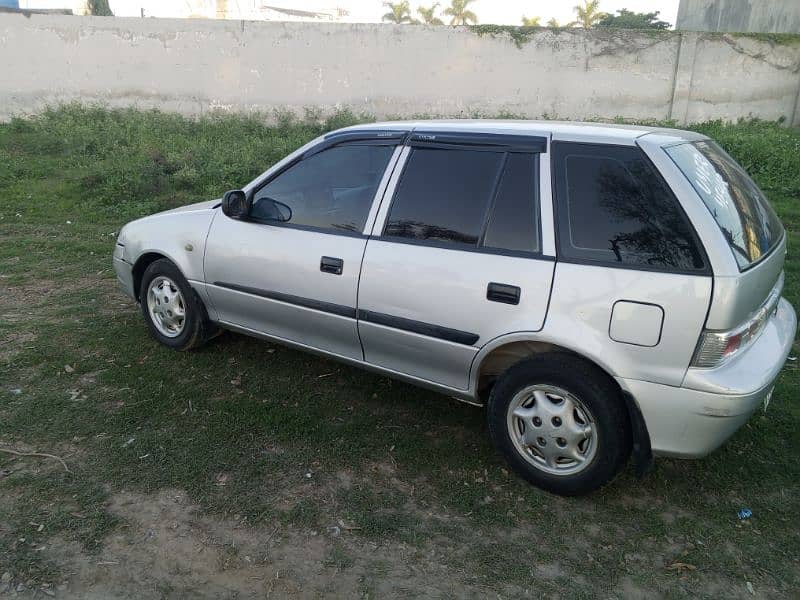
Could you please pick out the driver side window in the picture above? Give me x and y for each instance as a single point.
(331, 190)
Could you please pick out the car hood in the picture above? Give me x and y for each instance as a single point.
(197, 206)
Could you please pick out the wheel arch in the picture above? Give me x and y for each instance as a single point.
(503, 352)
(140, 266)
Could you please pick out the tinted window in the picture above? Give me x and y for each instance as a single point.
(330, 190)
(742, 212)
(614, 207)
(443, 195)
(513, 223)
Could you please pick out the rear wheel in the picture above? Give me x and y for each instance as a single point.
(172, 310)
(560, 423)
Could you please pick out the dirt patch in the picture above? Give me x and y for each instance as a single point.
(171, 549)
(13, 342)
(16, 300)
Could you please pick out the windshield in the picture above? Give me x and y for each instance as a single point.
(742, 212)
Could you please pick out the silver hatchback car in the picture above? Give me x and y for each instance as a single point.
(601, 290)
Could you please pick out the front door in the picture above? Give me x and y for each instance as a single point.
(291, 270)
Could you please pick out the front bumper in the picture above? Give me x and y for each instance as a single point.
(124, 271)
(693, 420)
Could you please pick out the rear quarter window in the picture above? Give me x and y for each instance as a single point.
(614, 208)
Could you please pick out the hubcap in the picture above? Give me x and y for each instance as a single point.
(552, 429)
(166, 306)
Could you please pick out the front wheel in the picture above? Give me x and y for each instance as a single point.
(560, 423)
(174, 314)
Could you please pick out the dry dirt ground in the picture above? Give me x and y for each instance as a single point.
(167, 547)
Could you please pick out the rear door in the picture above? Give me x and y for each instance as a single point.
(456, 255)
(291, 270)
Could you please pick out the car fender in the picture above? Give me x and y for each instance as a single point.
(178, 236)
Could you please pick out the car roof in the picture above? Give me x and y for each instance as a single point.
(573, 131)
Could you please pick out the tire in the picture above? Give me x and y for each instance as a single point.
(561, 424)
(162, 312)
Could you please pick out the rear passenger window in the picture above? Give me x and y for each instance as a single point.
(443, 195)
(513, 223)
(475, 198)
(614, 207)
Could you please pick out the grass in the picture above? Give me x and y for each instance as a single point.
(280, 437)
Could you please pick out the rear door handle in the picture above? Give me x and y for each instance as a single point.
(502, 292)
(328, 264)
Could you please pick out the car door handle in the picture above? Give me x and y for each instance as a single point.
(502, 292)
(332, 265)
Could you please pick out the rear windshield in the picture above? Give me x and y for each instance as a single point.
(742, 212)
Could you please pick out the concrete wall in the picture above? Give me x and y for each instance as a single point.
(195, 66)
(763, 16)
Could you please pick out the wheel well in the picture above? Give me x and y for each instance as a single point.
(139, 268)
(507, 355)
(503, 357)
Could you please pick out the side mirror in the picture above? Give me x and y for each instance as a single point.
(235, 204)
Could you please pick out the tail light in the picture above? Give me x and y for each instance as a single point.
(717, 347)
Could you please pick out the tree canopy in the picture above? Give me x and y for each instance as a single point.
(428, 14)
(459, 13)
(399, 12)
(588, 15)
(628, 19)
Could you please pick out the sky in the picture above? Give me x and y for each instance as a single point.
(502, 12)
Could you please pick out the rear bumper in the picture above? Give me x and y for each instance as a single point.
(693, 420)
(686, 423)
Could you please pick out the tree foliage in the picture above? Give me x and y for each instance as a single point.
(99, 8)
(459, 13)
(588, 15)
(627, 19)
(531, 21)
(428, 14)
(399, 12)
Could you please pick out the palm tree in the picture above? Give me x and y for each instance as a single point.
(459, 13)
(530, 21)
(588, 15)
(553, 23)
(399, 12)
(428, 14)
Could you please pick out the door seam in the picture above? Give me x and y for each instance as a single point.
(364, 252)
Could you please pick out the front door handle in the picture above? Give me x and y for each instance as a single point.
(502, 292)
(328, 264)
